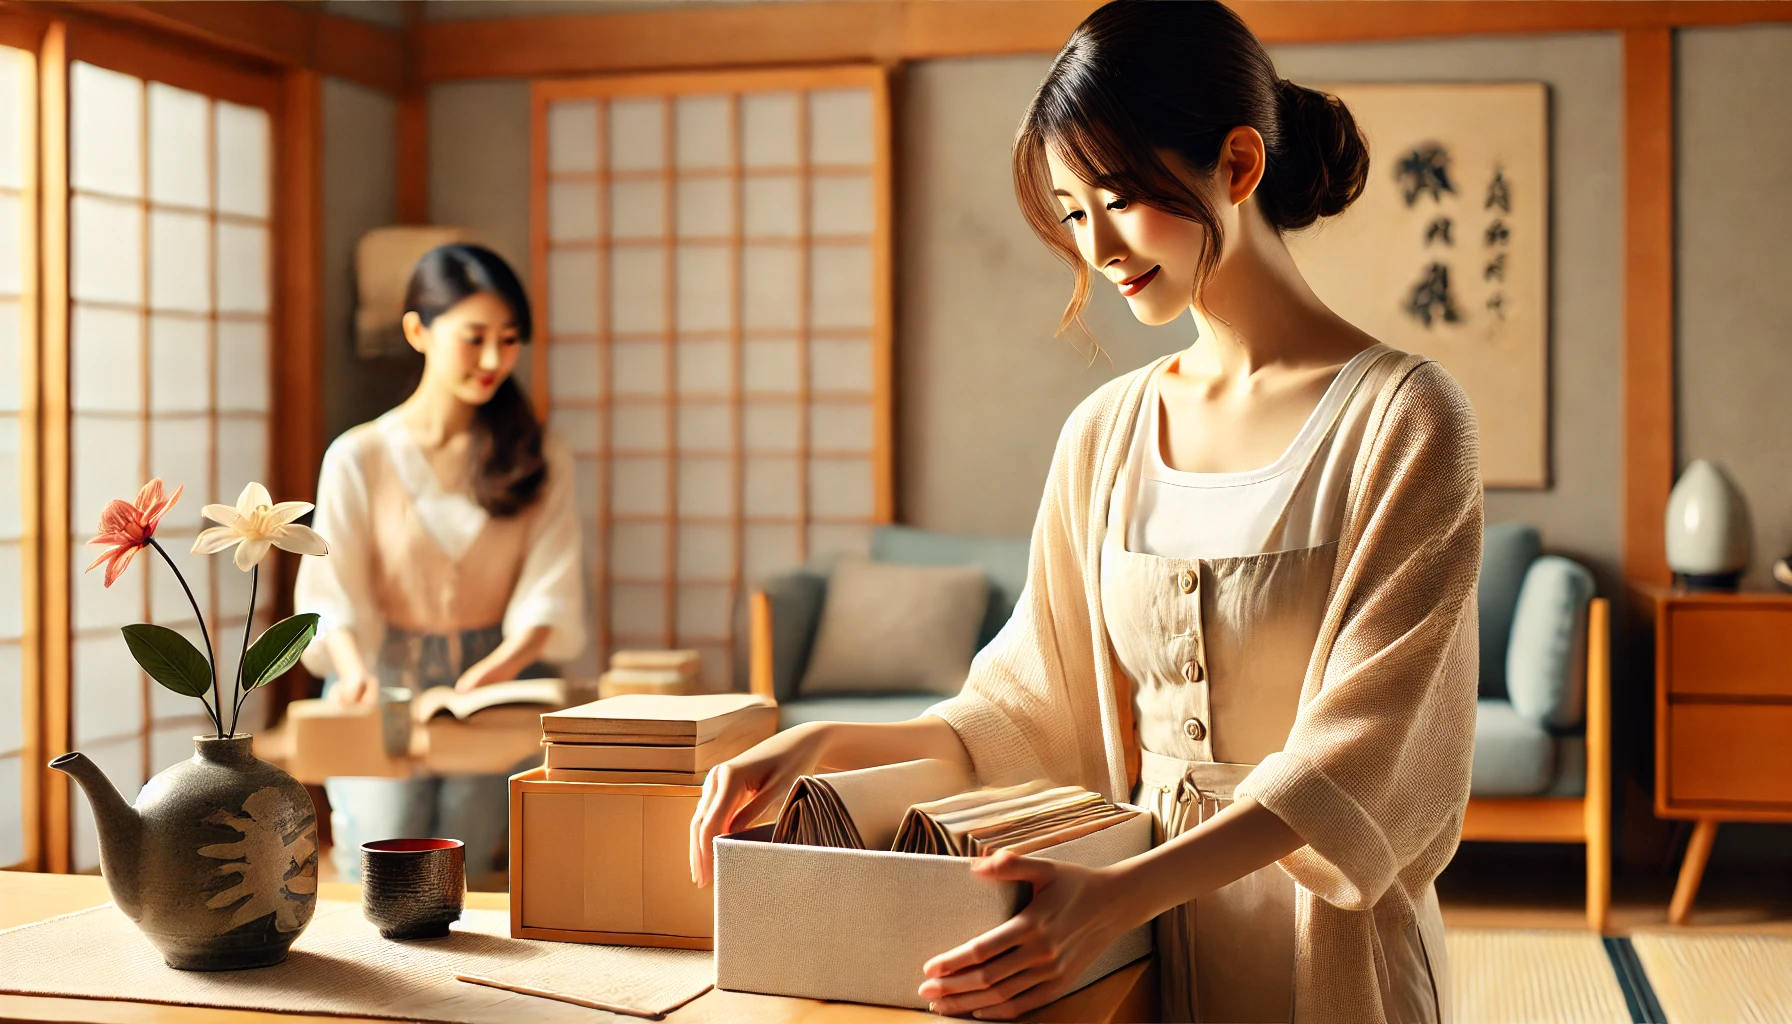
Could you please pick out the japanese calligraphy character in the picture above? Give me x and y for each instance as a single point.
(1496, 303)
(1499, 193)
(1497, 234)
(1431, 298)
(1424, 171)
(1495, 269)
(1439, 229)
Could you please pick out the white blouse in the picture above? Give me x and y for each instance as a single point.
(1176, 514)
(408, 553)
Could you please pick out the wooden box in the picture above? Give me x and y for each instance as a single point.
(605, 863)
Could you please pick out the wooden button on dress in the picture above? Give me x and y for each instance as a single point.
(1188, 581)
(1194, 730)
(1191, 671)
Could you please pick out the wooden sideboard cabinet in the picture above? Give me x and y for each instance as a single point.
(1723, 716)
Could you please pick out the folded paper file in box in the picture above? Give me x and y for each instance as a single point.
(857, 922)
(933, 813)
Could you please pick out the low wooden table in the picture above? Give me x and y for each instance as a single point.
(1129, 994)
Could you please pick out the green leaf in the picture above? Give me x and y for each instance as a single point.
(278, 649)
(169, 658)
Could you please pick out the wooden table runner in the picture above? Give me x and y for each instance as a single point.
(341, 966)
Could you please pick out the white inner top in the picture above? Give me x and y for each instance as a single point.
(1174, 514)
(453, 519)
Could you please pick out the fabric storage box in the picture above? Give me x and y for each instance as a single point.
(605, 863)
(858, 925)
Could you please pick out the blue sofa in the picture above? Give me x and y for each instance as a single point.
(1542, 769)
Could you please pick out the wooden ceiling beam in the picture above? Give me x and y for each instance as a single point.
(888, 31)
(284, 35)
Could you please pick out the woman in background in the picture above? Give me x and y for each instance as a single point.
(1250, 602)
(455, 548)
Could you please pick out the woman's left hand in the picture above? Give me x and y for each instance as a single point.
(482, 673)
(1032, 958)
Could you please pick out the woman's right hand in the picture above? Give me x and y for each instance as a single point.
(737, 792)
(358, 689)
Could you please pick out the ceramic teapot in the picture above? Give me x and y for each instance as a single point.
(217, 862)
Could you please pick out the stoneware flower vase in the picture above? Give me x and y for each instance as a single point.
(216, 863)
(1707, 529)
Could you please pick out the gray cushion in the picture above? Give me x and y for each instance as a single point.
(1513, 755)
(1571, 767)
(882, 707)
(796, 598)
(1546, 658)
(1507, 551)
(1004, 559)
(893, 628)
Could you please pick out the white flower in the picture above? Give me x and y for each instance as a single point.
(257, 524)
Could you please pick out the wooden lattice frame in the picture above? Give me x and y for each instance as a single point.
(733, 85)
(146, 56)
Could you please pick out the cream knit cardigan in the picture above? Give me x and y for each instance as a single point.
(1375, 773)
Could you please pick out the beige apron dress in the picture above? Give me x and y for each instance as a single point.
(1211, 700)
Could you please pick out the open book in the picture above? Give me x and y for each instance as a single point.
(929, 807)
(549, 693)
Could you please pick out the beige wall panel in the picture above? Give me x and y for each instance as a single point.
(360, 192)
(982, 386)
(479, 163)
(1733, 307)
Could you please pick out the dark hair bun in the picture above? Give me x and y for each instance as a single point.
(1319, 163)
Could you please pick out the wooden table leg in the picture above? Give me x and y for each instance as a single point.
(1692, 869)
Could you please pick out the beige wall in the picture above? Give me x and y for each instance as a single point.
(983, 386)
(479, 167)
(979, 297)
(1733, 320)
(359, 125)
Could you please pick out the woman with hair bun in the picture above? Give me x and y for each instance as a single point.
(454, 547)
(1250, 603)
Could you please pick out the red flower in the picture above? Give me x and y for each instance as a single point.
(125, 527)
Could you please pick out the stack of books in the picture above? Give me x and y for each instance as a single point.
(661, 672)
(653, 738)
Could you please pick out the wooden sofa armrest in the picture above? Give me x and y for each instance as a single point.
(759, 632)
(1598, 803)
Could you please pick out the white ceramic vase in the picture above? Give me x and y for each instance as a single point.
(1707, 528)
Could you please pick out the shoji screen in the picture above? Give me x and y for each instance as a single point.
(712, 260)
(169, 256)
(18, 216)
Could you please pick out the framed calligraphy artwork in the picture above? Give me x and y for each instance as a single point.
(1447, 251)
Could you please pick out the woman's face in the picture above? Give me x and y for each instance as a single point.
(469, 349)
(1149, 255)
